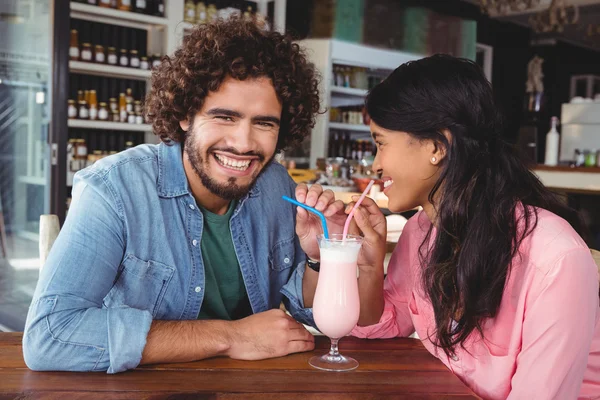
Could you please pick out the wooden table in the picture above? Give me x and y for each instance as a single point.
(390, 369)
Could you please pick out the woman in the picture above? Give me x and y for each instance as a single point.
(491, 273)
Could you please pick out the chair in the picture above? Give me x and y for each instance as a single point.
(49, 228)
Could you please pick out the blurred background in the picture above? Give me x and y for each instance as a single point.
(73, 76)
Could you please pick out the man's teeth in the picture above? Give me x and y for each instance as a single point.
(233, 164)
(388, 183)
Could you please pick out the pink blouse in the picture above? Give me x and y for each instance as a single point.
(544, 343)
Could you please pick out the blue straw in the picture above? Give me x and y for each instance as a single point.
(312, 210)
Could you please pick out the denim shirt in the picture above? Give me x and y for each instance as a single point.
(129, 252)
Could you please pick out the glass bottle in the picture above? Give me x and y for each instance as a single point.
(115, 117)
(83, 110)
(86, 96)
(139, 119)
(86, 52)
(81, 151)
(124, 59)
(80, 96)
(137, 106)
(72, 109)
(112, 56)
(106, 4)
(93, 105)
(99, 55)
(141, 6)
(155, 60)
(129, 99)
(122, 107)
(159, 9)
(114, 106)
(74, 45)
(144, 63)
(134, 59)
(128, 145)
(103, 112)
(131, 117)
(248, 14)
(124, 5)
(211, 12)
(189, 12)
(200, 13)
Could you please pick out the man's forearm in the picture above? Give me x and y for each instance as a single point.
(183, 341)
(370, 288)
(309, 286)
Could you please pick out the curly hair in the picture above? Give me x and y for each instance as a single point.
(241, 50)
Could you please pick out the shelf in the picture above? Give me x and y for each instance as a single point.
(115, 126)
(349, 91)
(111, 16)
(349, 127)
(110, 71)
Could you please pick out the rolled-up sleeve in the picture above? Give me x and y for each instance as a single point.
(67, 328)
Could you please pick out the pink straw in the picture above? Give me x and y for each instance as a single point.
(360, 200)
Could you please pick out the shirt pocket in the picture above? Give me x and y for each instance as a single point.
(282, 255)
(140, 284)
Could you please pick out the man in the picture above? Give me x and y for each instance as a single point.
(184, 250)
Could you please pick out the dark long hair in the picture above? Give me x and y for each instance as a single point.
(482, 184)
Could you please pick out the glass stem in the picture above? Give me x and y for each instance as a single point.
(333, 351)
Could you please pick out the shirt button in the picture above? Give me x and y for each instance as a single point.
(198, 289)
(286, 260)
(192, 207)
(195, 242)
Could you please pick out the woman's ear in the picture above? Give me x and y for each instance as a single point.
(438, 149)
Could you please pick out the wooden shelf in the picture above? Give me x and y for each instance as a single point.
(116, 126)
(349, 127)
(111, 16)
(349, 91)
(111, 71)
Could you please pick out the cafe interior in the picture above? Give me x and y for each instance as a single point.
(74, 76)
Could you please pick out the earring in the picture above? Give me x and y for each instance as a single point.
(433, 159)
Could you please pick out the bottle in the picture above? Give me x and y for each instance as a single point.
(128, 145)
(144, 63)
(114, 106)
(93, 105)
(74, 45)
(139, 119)
(552, 144)
(200, 13)
(137, 106)
(106, 4)
(189, 11)
(72, 109)
(159, 8)
(99, 56)
(92, 2)
(103, 112)
(86, 96)
(590, 158)
(124, 5)
(134, 59)
(122, 107)
(131, 117)
(124, 59)
(155, 60)
(248, 14)
(140, 6)
(129, 99)
(86, 52)
(115, 116)
(212, 14)
(81, 150)
(112, 56)
(80, 96)
(83, 110)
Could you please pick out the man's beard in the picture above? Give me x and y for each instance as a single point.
(230, 190)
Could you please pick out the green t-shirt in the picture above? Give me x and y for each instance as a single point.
(225, 296)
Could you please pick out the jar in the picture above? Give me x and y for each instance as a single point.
(144, 63)
(72, 109)
(155, 60)
(130, 118)
(139, 119)
(189, 11)
(103, 112)
(141, 6)
(99, 55)
(123, 59)
(128, 145)
(124, 5)
(590, 158)
(86, 52)
(114, 106)
(80, 96)
(112, 56)
(93, 105)
(212, 12)
(122, 107)
(134, 59)
(200, 13)
(115, 117)
(74, 45)
(81, 150)
(137, 106)
(106, 4)
(84, 112)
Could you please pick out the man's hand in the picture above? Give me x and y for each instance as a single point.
(308, 225)
(268, 334)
